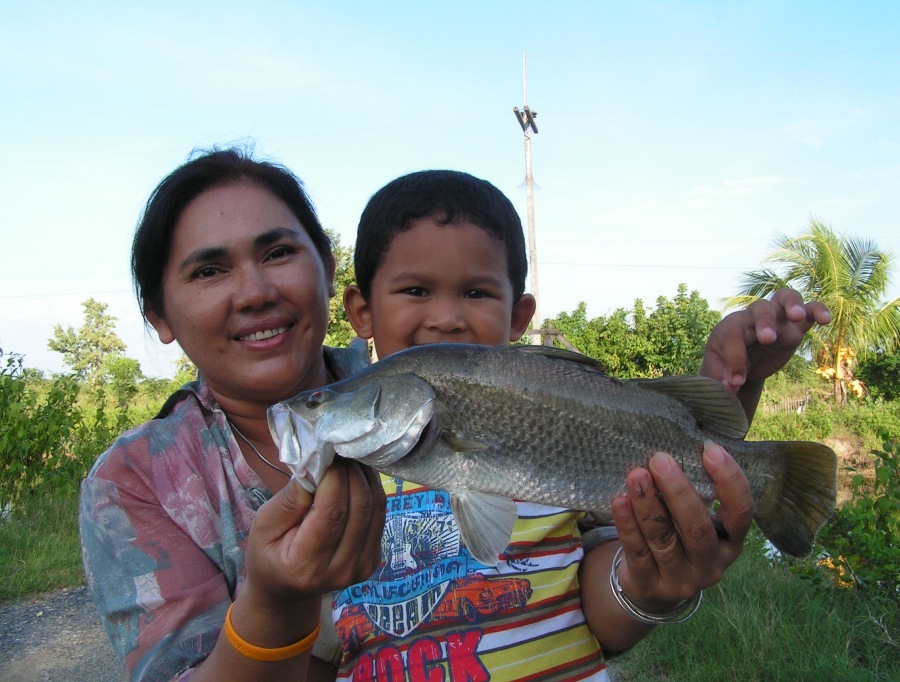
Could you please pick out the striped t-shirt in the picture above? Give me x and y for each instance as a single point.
(432, 612)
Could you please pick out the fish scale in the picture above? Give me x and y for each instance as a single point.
(544, 425)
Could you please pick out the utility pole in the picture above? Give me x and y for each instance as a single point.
(526, 121)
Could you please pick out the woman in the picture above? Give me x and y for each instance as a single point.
(229, 260)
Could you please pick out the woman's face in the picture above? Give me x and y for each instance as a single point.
(245, 294)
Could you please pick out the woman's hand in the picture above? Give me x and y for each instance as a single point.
(303, 546)
(671, 547)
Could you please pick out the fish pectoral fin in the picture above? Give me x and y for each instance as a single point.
(485, 523)
(714, 406)
(460, 444)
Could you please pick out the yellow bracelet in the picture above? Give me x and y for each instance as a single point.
(258, 653)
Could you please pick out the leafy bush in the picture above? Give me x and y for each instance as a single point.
(861, 538)
(36, 430)
(881, 374)
(53, 430)
(816, 422)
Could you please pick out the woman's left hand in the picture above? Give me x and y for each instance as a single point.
(670, 544)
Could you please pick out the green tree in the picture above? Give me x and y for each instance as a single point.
(37, 425)
(122, 375)
(340, 331)
(676, 333)
(185, 370)
(87, 350)
(848, 275)
(881, 373)
(640, 343)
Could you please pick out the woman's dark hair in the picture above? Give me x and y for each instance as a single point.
(450, 197)
(153, 237)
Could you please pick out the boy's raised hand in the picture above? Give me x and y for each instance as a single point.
(750, 345)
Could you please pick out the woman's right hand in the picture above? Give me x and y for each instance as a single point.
(303, 546)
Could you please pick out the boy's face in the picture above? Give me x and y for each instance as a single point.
(440, 284)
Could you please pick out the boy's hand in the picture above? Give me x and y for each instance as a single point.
(750, 345)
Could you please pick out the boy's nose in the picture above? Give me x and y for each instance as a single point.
(445, 317)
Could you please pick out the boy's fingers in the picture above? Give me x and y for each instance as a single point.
(819, 312)
(725, 359)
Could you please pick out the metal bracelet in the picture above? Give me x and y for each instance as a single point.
(680, 614)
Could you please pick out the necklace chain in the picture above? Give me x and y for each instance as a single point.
(253, 447)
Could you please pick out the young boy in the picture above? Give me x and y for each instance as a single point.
(440, 256)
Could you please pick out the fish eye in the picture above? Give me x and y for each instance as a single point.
(315, 399)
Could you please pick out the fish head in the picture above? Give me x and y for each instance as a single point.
(376, 421)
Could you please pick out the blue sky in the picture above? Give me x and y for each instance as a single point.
(677, 139)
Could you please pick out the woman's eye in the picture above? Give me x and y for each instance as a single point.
(279, 252)
(206, 272)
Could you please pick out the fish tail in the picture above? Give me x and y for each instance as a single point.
(791, 508)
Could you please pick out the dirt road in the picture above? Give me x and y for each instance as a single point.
(55, 636)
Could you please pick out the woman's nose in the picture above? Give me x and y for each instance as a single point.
(253, 288)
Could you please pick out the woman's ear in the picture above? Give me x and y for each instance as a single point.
(162, 328)
(359, 312)
(522, 312)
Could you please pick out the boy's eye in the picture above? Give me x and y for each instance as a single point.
(416, 291)
(476, 293)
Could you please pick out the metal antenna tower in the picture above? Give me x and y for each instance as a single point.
(525, 119)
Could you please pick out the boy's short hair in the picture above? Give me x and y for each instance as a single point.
(449, 197)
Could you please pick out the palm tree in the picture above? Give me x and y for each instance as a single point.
(848, 275)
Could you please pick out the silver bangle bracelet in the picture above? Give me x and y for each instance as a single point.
(680, 614)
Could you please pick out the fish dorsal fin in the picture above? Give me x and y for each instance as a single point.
(714, 406)
(485, 523)
(563, 355)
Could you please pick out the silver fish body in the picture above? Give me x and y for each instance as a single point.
(491, 424)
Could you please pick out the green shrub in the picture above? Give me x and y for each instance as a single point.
(881, 374)
(53, 430)
(36, 430)
(861, 539)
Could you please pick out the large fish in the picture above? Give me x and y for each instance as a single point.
(489, 424)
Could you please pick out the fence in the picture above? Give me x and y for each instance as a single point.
(788, 404)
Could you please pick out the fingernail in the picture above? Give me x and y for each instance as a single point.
(662, 463)
(621, 508)
(639, 482)
(713, 453)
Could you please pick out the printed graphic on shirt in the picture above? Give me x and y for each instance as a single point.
(431, 611)
(425, 576)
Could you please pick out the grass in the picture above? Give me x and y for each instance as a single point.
(39, 547)
(764, 623)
